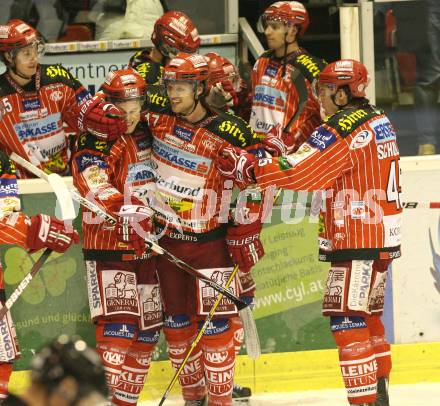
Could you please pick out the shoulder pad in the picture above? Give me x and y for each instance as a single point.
(90, 142)
(6, 165)
(266, 54)
(233, 129)
(309, 65)
(346, 121)
(5, 87)
(157, 100)
(58, 74)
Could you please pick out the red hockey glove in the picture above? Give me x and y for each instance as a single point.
(49, 232)
(134, 225)
(235, 163)
(244, 244)
(278, 143)
(102, 119)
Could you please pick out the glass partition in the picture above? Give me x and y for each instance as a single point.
(407, 71)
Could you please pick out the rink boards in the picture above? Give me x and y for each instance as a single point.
(290, 282)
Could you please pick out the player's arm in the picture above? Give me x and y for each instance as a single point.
(16, 228)
(315, 165)
(92, 171)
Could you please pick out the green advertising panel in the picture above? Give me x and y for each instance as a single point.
(290, 283)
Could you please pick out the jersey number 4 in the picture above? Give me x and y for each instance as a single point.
(393, 186)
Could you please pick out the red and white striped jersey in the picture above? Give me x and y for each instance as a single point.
(32, 117)
(103, 171)
(187, 179)
(275, 98)
(13, 224)
(353, 155)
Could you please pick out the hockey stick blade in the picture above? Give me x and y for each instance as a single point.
(253, 347)
(198, 338)
(64, 200)
(25, 282)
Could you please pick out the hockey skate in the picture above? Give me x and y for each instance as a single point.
(241, 394)
(199, 402)
(382, 393)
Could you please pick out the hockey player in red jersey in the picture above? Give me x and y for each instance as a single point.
(123, 289)
(227, 90)
(172, 33)
(283, 105)
(354, 156)
(36, 100)
(186, 140)
(32, 233)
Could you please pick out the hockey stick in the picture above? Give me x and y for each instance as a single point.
(161, 251)
(67, 211)
(64, 199)
(198, 338)
(244, 311)
(24, 283)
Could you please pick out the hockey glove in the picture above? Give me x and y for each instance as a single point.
(49, 232)
(134, 225)
(235, 163)
(278, 143)
(244, 244)
(102, 119)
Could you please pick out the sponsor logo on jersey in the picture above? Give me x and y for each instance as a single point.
(82, 96)
(357, 210)
(347, 121)
(361, 139)
(86, 160)
(33, 114)
(31, 104)
(8, 187)
(175, 185)
(271, 70)
(147, 337)
(360, 280)
(57, 70)
(387, 150)
(232, 128)
(56, 95)
(178, 321)
(113, 358)
(6, 339)
(38, 128)
(216, 327)
(383, 130)
(180, 158)
(119, 330)
(139, 171)
(183, 133)
(309, 64)
(217, 357)
(321, 138)
(156, 98)
(339, 323)
(270, 96)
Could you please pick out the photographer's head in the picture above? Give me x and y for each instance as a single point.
(66, 373)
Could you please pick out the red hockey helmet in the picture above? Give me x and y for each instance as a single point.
(287, 12)
(175, 32)
(346, 72)
(124, 84)
(16, 34)
(187, 67)
(220, 68)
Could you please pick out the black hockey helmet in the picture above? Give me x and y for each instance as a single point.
(69, 357)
